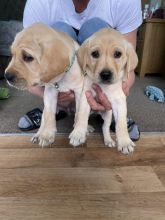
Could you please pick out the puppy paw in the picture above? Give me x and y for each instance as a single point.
(77, 137)
(126, 146)
(43, 140)
(109, 142)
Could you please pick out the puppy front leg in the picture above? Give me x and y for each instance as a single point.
(46, 133)
(107, 117)
(78, 135)
(125, 144)
(78, 93)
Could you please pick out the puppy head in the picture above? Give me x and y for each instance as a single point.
(107, 57)
(39, 54)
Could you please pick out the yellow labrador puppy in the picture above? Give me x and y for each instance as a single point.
(42, 56)
(107, 59)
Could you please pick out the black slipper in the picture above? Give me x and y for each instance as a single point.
(32, 119)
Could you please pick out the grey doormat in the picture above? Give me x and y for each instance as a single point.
(150, 116)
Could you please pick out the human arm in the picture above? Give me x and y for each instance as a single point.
(132, 38)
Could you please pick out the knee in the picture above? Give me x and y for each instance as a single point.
(59, 24)
(66, 28)
(95, 22)
(90, 27)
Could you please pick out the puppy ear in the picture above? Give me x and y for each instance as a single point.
(55, 59)
(82, 55)
(132, 60)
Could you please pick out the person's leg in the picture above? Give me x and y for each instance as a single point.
(66, 28)
(90, 27)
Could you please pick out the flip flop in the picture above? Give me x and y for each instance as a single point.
(4, 93)
(133, 129)
(32, 119)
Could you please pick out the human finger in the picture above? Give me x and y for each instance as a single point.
(92, 102)
(63, 97)
(103, 100)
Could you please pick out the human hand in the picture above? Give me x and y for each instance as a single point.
(66, 98)
(101, 103)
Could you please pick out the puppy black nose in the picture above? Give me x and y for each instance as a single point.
(10, 76)
(106, 75)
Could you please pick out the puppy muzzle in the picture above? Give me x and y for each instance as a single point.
(106, 76)
(10, 77)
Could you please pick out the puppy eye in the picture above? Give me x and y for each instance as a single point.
(27, 57)
(117, 54)
(95, 54)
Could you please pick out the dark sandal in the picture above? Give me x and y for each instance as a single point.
(34, 117)
(133, 129)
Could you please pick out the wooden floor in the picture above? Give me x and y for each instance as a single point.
(87, 183)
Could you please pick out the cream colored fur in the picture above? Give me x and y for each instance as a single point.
(106, 43)
(51, 53)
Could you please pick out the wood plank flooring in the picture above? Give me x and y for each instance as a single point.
(91, 182)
